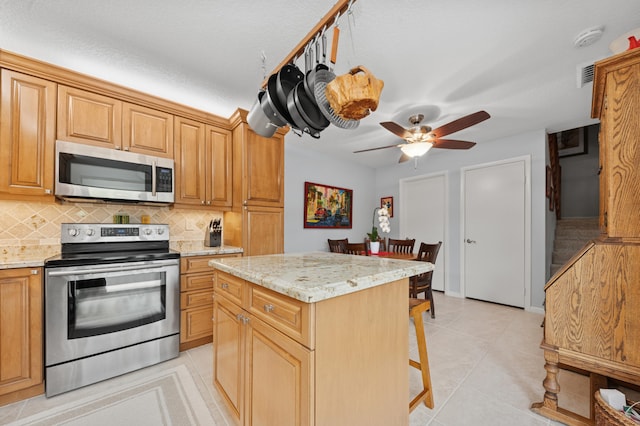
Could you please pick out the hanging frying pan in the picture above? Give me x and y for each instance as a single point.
(287, 78)
(272, 107)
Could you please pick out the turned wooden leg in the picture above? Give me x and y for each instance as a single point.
(550, 383)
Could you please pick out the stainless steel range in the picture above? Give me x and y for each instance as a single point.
(112, 303)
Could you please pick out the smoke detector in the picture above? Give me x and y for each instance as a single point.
(588, 37)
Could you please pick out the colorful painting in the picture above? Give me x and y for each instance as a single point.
(327, 206)
(388, 203)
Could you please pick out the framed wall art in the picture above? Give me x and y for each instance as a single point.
(327, 206)
(388, 203)
(572, 142)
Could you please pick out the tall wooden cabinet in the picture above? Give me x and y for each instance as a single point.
(592, 303)
(257, 216)
(27, 135)
(21, 362)
(203, 158)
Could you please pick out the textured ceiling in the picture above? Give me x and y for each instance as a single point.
(513, 58)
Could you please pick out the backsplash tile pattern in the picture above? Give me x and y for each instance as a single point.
(33, 229)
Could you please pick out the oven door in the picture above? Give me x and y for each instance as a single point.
(98, 308)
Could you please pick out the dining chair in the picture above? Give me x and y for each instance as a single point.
(356, 248)
(401, 246)
(422, 283)
(337, 246)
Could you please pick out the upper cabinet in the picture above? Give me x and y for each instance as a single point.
(203, 164)
(616, 101)
(27, 135)
(258, 166)
(94, 119)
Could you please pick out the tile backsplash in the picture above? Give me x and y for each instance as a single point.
(27, 225)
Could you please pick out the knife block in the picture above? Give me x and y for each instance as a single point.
(213, 238)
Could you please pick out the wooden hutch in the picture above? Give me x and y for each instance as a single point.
(592, 319)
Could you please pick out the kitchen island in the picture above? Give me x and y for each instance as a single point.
(313, 338)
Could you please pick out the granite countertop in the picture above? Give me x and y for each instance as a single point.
(34, 256)
(197, 248)
(316, 276)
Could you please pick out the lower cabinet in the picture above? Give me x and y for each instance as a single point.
(265, 376)
(196, 300)
(21, 362)
(340, 361)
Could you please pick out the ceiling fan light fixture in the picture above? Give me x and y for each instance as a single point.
(416, 149)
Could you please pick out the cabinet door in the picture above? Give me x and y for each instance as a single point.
(228, 337)
(20, 329)
(279, 378)
(190, 158)
(27, 134)
(265, 170)
(89, 118)
(263, 229)
(218, 167)
(147, 131)
(196, 323)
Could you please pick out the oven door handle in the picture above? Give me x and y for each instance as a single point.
(103, 270)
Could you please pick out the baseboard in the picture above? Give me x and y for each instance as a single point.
(195, 343)
(535, 310)
(22, 394)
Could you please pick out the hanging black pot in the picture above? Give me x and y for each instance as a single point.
(272, 107)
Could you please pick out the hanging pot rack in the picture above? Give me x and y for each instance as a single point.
(340, 8)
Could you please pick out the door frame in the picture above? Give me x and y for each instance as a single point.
(402, 218)
(527, 222)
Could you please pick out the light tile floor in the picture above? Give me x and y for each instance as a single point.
(485, 361)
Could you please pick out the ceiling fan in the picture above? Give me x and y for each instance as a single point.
(419, 139)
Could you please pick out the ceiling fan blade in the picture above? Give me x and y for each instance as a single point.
(396, 129)
(452, 144)
(460, 124)
(404, 157)
(374, 149)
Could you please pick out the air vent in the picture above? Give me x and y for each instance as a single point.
(585, 74)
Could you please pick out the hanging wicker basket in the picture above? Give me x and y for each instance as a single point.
(354, 95)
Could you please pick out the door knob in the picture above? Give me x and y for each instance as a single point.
(470, 241)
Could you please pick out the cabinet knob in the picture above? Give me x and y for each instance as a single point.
(245, 320)
(208, 202)
(224, 286)
(202, 202)
(239, 317)
(268, 308)
(47, 191)
(34, 272)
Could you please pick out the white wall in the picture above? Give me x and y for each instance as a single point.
(532, 143)
(303, 166)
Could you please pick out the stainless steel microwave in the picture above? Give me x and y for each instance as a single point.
(95, 173)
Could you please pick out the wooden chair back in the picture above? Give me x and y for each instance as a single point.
(356, 248)
(401, 246)
(337, 246)
(422, 283)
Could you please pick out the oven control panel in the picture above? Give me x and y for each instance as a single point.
(107, 232)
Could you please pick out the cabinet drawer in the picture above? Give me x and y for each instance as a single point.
(229, 286)
(196, 282)
(290, 316)
(191, 264)
(196, 298)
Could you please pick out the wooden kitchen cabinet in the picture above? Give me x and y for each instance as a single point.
(257, 214)
(196, 300)
(258, 166)
(147, 131)
(21, 362)
(27, 135)
(94, 119)
(203, 164)
(281, 361)
(265, 375)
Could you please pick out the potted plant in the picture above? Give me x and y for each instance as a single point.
(383, 221)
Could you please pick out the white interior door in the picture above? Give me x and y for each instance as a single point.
(423, 215)
(494, 232)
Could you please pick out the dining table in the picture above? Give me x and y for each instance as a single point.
(393, 255)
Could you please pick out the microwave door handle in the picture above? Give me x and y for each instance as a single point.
(153, 178)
